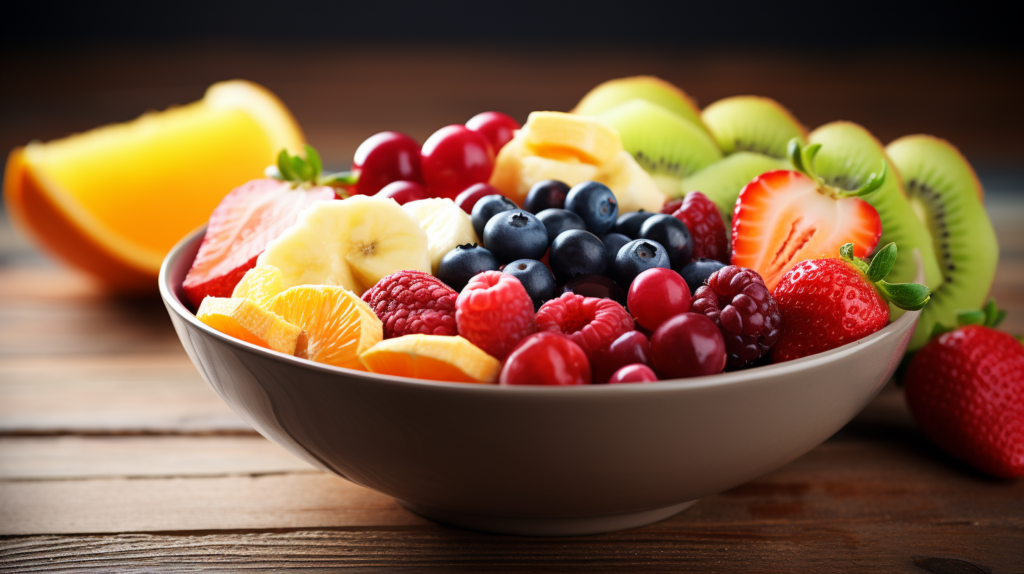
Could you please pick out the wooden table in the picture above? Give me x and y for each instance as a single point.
(115, 455)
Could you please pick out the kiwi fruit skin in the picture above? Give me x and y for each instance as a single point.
(655, 90)
(753, 124)
(945, 193)
(723, 180)
(848, 156)
(667, 146)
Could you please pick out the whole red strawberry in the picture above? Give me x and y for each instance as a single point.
(413, 302)
(707, 229)
(827, 303)
(965, 389)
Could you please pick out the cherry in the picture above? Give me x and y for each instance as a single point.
(469, 196)
(454, 158)
(657, 294)
(687, 345)
(403, 191)
(635, 373)
(495, 126)
(631, 347)
(546, 358)
(384, 158)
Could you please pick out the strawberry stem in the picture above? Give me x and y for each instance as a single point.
(909, 296)
(988, 316)
(307, 172)
(802, 159)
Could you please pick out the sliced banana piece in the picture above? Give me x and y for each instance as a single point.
(445, 224)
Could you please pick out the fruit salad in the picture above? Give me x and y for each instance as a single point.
(634, 239)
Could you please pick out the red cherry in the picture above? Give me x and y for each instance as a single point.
(403, 191)
(469, 196)
(383, 158)
(657, 294)
(546, 358)
(454, 158)
(631, 347)
(495, 126)
(687, 345)
(635, 373)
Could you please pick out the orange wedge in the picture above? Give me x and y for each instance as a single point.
(432, 357)
(338, 324)
(114, 200)
(243, 319)
(260, 284)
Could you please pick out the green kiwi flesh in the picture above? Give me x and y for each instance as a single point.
(752, 123)
(848, 156)
(664, 144)
(723, 180)
(655, 90)
(945, 193)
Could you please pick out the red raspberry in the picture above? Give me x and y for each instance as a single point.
(591, 323)
(671, 206)
(413, 302)
(707, 229)
(494, 312)
(737, 300)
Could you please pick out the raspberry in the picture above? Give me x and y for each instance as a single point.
(707, 229)
(494, 312)
(591, 323)
(413, 302)
(737, 300)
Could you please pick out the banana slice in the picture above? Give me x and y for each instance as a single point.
(445, 224)
(352, 243)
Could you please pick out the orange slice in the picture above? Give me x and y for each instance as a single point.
(114, 200)
(243, 319)
(260, 284)
(432, 357)
(338, 324)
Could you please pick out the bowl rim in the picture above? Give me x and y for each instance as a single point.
(751, 376)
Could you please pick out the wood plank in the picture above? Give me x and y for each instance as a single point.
(74, 457)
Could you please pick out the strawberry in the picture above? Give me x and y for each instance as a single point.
(251, 216)
(826, 303)
(784, 217)
(965, 389)
(707, 229)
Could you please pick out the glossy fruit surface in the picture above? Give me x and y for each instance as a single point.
(574, 253)
(518, 234)
(631, 347)
(636, 257)
(536, 278)
(403, 191)
(656, 295)
(464, 262)
(558, 220)
(596, 204)
(497, 127)
(546, 359)
(383, 158)
(697, 272)
(413, 302)
(672, 234)
(704, 222)
(494, 312)
(613, 243)
(671, 206)
(454, 158)
(597, 286)
(243, 319)
(487, 207)
(546, 194)
(592, 323)
(432, 358)
(468, 197)
(738, 302)
(687, 345)
(628, 224)
(633, 374)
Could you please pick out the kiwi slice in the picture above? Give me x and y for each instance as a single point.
(655, 90)
(723, 180)
(664, 144)
(752, 123)
(945, 193)
(848, 157)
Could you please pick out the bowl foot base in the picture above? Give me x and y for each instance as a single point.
(572, 526)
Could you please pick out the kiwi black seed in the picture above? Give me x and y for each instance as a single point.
(946, 194)
(754, 124)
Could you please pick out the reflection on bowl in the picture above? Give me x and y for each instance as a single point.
(537, 461)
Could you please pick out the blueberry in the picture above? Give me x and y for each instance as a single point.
(671, 233)
(517, 234)
(546, 194)
(576, 252)
(558, 220)
(596, 204)
(597, 286)
(636, 257)
(612, 243)
(459, 265)
(629, 224)
(486, 208)
(536, 279)
(696, 273)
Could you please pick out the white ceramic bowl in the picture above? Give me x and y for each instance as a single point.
(536, 460)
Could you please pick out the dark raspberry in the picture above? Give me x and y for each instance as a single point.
(737, 300)
(413, 302)
(591, 323)
(707, 229)
(494, 312)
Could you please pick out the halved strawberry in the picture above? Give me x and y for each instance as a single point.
(784, 217)
(250, 217)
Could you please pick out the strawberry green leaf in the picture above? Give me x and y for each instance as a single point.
(972, 317)
(881, 263)
(313, 160)
(909, 296)
(874, 182)
(284, 166)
